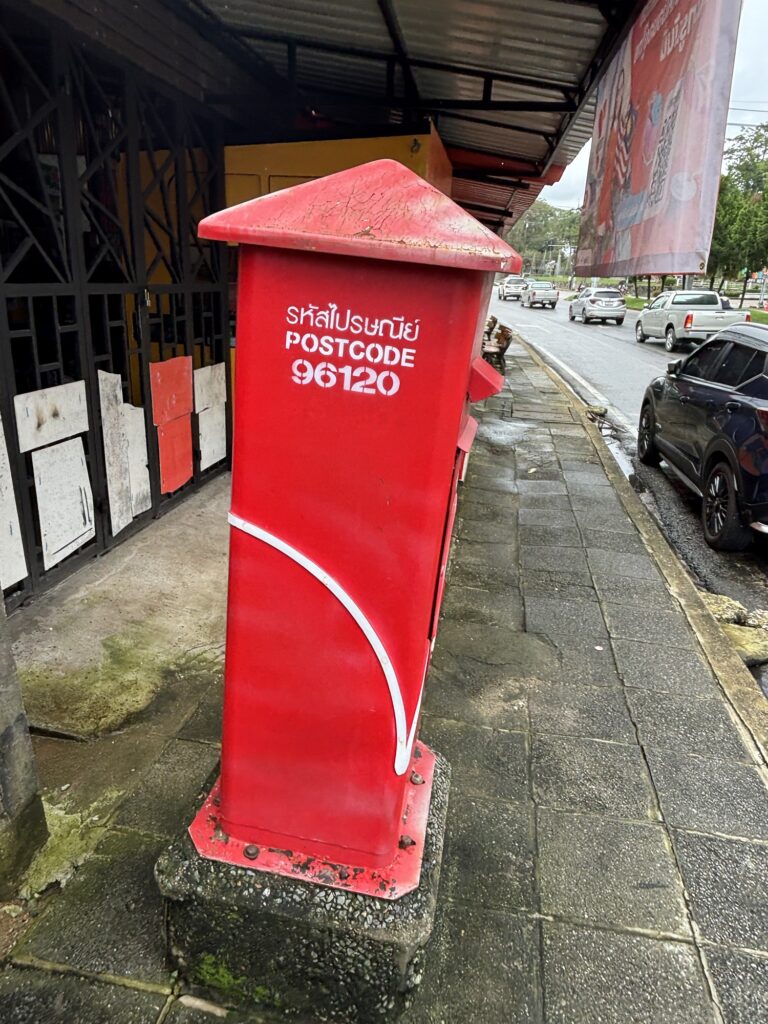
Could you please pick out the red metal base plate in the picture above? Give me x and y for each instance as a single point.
(388, 883)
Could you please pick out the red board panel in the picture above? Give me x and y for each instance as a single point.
(174, 440)
(171, 389)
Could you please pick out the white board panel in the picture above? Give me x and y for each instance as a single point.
(13, 564)
(43, 417)
(212, 426)
(115, 451)
(135, 432)
(64, 499)
(210, 386)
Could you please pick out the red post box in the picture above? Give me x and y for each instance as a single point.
(360, 305)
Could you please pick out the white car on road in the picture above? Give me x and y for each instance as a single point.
(511, 287)
(598, 304)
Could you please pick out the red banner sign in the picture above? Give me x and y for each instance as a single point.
(657, 146)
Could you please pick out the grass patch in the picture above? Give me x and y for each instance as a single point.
(71, 840)
(759, 316)
(212, 973)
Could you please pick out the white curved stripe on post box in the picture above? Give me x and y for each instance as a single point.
(404, 737)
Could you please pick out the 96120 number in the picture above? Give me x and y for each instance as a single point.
(363, 379)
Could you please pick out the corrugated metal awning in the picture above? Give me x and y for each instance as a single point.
(509, 85)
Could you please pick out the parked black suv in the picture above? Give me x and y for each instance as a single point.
(708, 419)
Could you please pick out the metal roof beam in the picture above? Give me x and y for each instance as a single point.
(208, 24)
(490, 178)
(494, 211)
(523, 129)
(443, 103)
(321, 46)
(389, 14)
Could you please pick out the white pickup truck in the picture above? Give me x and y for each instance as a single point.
(539, 293)
(680, 317)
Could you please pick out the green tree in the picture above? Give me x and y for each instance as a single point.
(747, 208)
(543, 232)
(747, 159)
(725, 258)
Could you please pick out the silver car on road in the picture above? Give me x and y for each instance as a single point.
(598, 304)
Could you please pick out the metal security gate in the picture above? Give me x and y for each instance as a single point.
(103, 179)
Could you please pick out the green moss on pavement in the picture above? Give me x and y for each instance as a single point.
(100, 697)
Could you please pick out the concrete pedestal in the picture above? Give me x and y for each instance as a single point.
(267, 940)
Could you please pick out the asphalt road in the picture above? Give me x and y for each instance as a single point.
(613, 368)
(606, 366)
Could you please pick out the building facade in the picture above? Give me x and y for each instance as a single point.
(107, 164)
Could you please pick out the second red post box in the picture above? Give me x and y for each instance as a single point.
(360, 307)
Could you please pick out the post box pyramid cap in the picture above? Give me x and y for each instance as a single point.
(380, 210)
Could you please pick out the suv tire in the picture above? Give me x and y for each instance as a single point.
(640, 334)
(720, 518)
(571, 314)
(647, 451)
(670, 339)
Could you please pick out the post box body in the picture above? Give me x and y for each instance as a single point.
(351, 420)
(355, 471)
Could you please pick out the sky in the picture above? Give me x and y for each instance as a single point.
(749, 91)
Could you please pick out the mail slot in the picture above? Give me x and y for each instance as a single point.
(361, 299)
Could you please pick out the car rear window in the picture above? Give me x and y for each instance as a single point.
(605, 293)
(740, 364)
(539, 284)
(696, 299)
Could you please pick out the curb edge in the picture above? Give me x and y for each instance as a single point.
(735, 680)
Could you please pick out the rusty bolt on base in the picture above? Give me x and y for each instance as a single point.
(251, 852)
(416, 779)
(405, 842)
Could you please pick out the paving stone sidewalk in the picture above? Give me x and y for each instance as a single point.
(607, 853)
(614, 818)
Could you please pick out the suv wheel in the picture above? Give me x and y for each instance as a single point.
(723, 528)
(619, 321)
(647, 451)
(571, 314)
(640, 334)
(670, 339)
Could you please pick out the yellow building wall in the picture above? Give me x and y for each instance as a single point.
(253, 171)
(439, 166)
